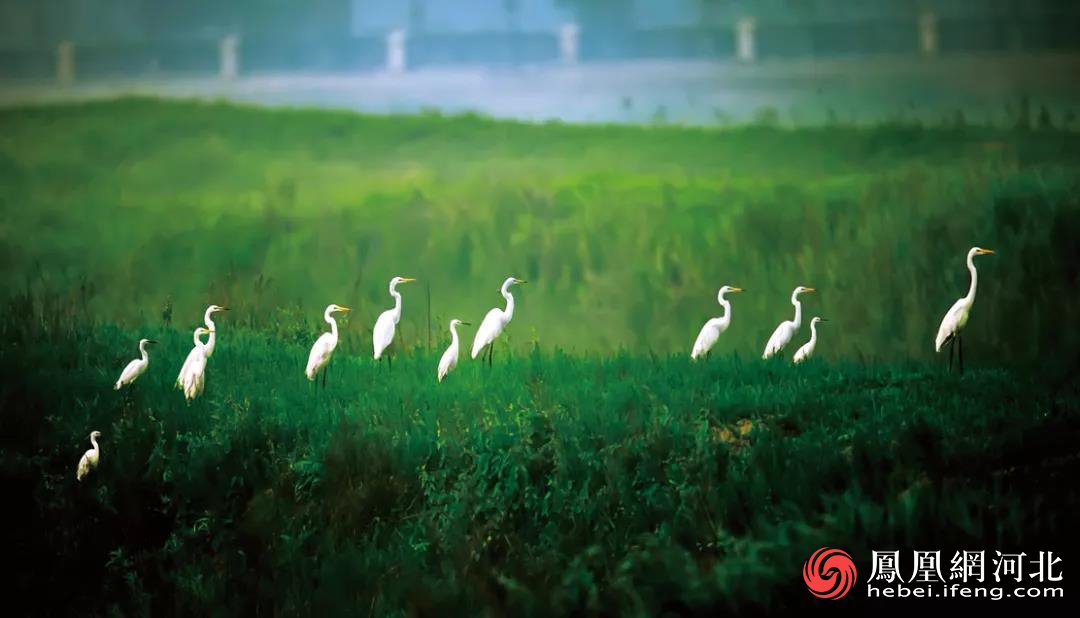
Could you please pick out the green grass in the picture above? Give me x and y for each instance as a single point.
(594, 470)
(624, 233)
(551, 484)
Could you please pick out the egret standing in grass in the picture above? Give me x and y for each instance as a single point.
(383, 334)
(195, 377)
(450, 356)
(324, 345)
(957, 316)
(712, 330)
(495, 321)
(208, 319)
(807, 348)
(136, 367)
(89, 460)
(786, 331)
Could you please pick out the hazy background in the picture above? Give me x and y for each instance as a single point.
(678, 61)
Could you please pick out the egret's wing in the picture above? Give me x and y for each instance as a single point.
(779, 339)
(383, 333)
(130, 372)
(320, 354)
(949, 324)
(447, 362)
(489, 329)
(84, 466)
(706, 339)
(192, 355)
(802, 353)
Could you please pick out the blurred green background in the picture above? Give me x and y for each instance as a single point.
(141, 211)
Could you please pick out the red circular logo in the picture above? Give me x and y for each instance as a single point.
(829, 573)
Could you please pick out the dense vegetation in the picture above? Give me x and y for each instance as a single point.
(141, 208)
(593, 470)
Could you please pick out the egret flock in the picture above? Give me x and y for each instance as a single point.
(192, 374)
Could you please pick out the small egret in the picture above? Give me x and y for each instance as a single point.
(714, 327)
(785, 332)
(957, 316)
(325, 344)
(89, 459)
(136, 367)
(495, 321)
(195, 377)
(210, 343)
(807, 348)
(387, 322)
(450, 356)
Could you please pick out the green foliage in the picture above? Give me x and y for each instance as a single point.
(625, 233)
(549, 484)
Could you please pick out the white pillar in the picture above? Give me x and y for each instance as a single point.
(569, 35)
(229, 57)
(744, 39)
(928, 33)
(65, 62)
(395, 51)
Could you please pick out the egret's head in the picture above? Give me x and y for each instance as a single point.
(397, 280)
(817, 319)
(216, 309)
(337, 309)
(202, 330)
(980, 251)
(456, 322)
(94, 435)
(802, 290)
(729, 289)
(511, 281)
(146, 341)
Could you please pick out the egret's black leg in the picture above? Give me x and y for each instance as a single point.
(952, 343)
(390, 362)
(325, 371)
(491, 354)
(960, 344)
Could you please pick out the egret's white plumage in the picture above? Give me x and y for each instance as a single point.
(712, 329)
(450, 356)
(325, 344)
(195, 377)
(807, 348)
(89, 460)
(208, 319)
(135, 368)
(957, 316)
(496, 319)
(786, 331)
(387, 322)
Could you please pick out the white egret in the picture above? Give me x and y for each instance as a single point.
(324, 345)
(387, 322)
(495, 321)
(89, 459)
(136, 367)
(210, 343)
(785, 332)
(195, 376)
(807, 348)
(957, 316)
(450, 356)
(716, 326)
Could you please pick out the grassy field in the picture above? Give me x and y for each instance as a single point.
(594, 470)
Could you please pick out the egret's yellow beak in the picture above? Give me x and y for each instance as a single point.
(520, 281)
(985, 252)
(344, 309)
(737, 290)
(407, 279)
(808, 290)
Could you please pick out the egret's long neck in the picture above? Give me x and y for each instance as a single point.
(332, 322)
(208, 318)
(93, 441)
(509, 311)
(798, 310)
(453, 334)
(813, 333)
(397, 303)
(727, 309)
(974, 278)
(142, 350)
(198, 341)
